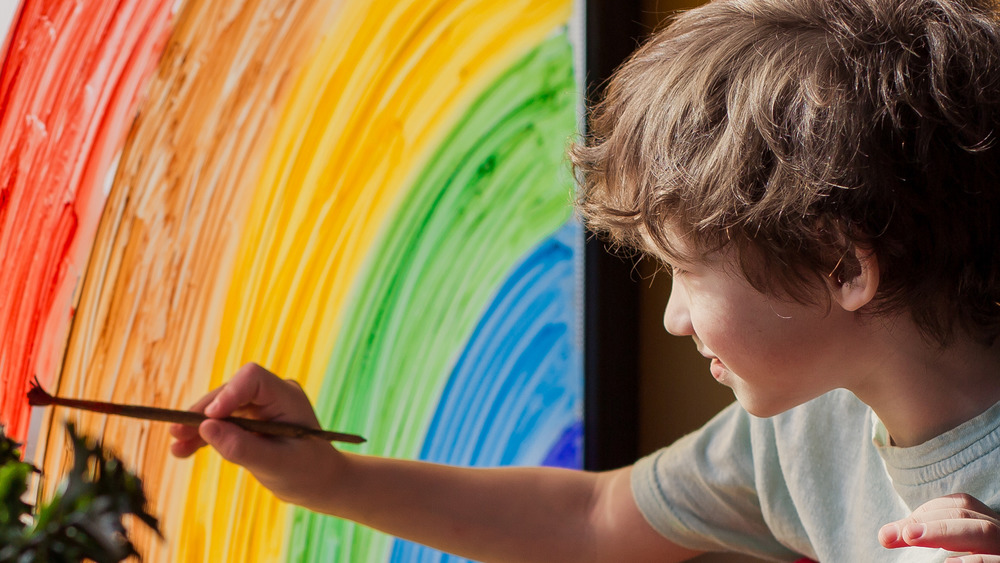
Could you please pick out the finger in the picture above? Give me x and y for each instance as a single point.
(948, 507)
(975, 558)
(183, 432)
(203, 402)
(958, 500)
(975, 535)
(249, 386)
(186, 448)
(226, 438)
(269, 458)
(890, 536)
(187, 439)
(947, 514)
(242, 447)
(257, 393)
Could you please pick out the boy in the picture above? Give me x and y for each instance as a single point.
(823, 178)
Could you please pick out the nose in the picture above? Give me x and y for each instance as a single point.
(677, 317)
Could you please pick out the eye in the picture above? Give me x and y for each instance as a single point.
(675, 271)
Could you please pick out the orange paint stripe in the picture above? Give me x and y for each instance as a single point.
(69, 86)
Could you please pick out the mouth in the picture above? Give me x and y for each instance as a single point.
(717, 368)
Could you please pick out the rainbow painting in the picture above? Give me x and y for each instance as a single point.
(370, 197)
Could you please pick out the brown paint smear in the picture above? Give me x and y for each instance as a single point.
(147, 322)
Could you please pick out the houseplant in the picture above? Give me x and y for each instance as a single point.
(83, 519)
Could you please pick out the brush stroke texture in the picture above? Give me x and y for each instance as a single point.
(69, 85)
(508, 400)
(357, 194)
(150, 306)
(498, 185)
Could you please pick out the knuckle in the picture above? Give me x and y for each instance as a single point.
(963, 500)
(248, 372)
(991, 530)
(961, 514)
(296, 390)
(251, 372)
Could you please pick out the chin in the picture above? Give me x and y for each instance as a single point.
(763, 407)
(762, 412)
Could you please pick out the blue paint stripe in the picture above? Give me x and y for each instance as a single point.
(515, 394)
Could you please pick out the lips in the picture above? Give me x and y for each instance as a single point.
(707, 354)
(717, 368)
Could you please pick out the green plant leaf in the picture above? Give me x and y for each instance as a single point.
(83, 520)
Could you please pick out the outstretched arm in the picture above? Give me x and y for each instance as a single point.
(956, 522)
(501, 514)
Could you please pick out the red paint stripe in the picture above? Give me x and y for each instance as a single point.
(70, 84)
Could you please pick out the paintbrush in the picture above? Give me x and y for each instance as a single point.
(39, 397)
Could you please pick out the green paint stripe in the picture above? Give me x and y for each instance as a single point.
(498, 186)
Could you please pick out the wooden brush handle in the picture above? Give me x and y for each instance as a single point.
(38, 396)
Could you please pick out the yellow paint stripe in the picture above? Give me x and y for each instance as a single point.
(381, 92)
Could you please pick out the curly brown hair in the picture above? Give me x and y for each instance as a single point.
(794, 129)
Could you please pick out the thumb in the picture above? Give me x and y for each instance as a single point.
(234, 443)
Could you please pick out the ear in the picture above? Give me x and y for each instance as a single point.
(855, 287)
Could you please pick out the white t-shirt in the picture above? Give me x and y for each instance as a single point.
(817, 481)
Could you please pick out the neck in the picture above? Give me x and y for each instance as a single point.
(919, 390)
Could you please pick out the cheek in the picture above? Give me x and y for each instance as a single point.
(725, 331)
(749, 339)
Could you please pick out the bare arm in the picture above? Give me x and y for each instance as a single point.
(501, 514)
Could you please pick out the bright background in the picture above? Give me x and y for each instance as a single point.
(368, 196)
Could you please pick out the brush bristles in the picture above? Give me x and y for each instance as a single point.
(37, 397)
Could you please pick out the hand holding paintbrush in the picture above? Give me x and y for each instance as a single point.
(39, 397)
(302, 472)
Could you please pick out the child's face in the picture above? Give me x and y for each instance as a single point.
(775, 354)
